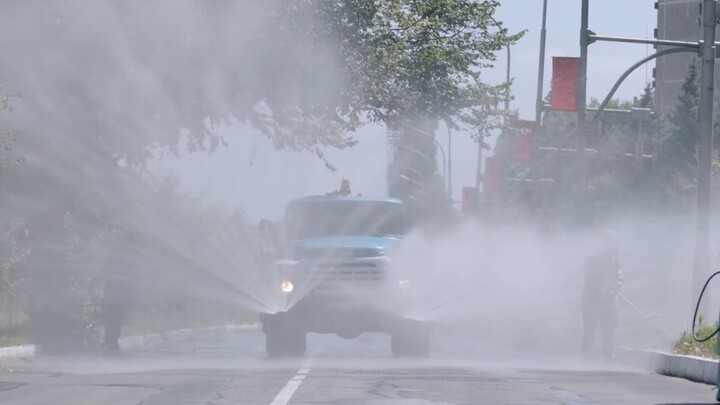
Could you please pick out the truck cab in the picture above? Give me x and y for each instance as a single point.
(334, 274)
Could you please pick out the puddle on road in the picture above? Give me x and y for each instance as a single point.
(390, 394)
(569, 397)
(9, 385)
(388, 401)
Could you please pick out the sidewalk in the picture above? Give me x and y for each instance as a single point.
(698, 369)
(130, 342)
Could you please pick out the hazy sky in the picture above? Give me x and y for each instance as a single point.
(625, 18)
(253, 177)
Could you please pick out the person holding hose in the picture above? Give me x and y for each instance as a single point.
(603, 280)
(120, 277)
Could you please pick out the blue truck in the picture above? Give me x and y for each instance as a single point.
(334, 274)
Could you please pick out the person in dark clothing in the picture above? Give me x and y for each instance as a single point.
(603, 280)
(120, 278)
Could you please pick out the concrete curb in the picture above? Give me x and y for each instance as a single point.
(134, 342)
(698, 369)
(18, 352)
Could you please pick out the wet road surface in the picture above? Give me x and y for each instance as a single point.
(231, 368)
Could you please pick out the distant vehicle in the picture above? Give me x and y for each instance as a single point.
(336, 274)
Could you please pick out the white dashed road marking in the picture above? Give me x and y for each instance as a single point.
(285, 394)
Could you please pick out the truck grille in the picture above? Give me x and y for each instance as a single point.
(350, 273)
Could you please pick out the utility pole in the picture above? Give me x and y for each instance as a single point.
(478, 174)
(541, 68)
(507, 79)
(707, 84)
(539, 107)
(581, 198)
(449, 165)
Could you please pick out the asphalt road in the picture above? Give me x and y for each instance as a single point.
(232, 369)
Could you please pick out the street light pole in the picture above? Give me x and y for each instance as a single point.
(444, 160)
(541, 68)
(449, 164)
(478, 173)
(705, 146)
(539, 106)
(581, 202)
(507, 79)
(507, 70)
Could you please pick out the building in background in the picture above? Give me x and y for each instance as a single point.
(678, 20)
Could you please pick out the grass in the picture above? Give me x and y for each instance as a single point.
(688, 346)
(143, 322)
(6, 341)
(146, 321)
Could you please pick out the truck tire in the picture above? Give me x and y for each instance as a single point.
(412, 339)
(283, 341)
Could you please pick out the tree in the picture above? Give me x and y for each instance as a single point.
(617, 180)
(646, 99)
(410, 64)
(408, 60)
(105, 86)
(677, 165)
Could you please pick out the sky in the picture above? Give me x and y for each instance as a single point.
(606, 61)
(250, 176)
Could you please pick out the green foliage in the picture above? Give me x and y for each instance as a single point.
(8, 139)
(412, 174)
(616, 179)
(410, 64)
(680, 147)
(305, 72)
(181, 315)
(409, 60)
(6, 341)
(13, 292)
(13, 232)
(676, 151)
(687, 345)
(162, 77)
(646, 99)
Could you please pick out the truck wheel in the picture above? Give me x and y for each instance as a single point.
(284, 341)
(411, 339)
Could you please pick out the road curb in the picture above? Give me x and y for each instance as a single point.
(18, 352)
(698, 369)
(134, 342)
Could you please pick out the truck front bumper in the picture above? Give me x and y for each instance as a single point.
(344, 317)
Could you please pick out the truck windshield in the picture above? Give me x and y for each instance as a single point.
(311, 219)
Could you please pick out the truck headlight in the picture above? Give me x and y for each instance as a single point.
(404, 284)
(287, 287)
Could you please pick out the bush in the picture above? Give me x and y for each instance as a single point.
(688, 346)
(6, 341)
